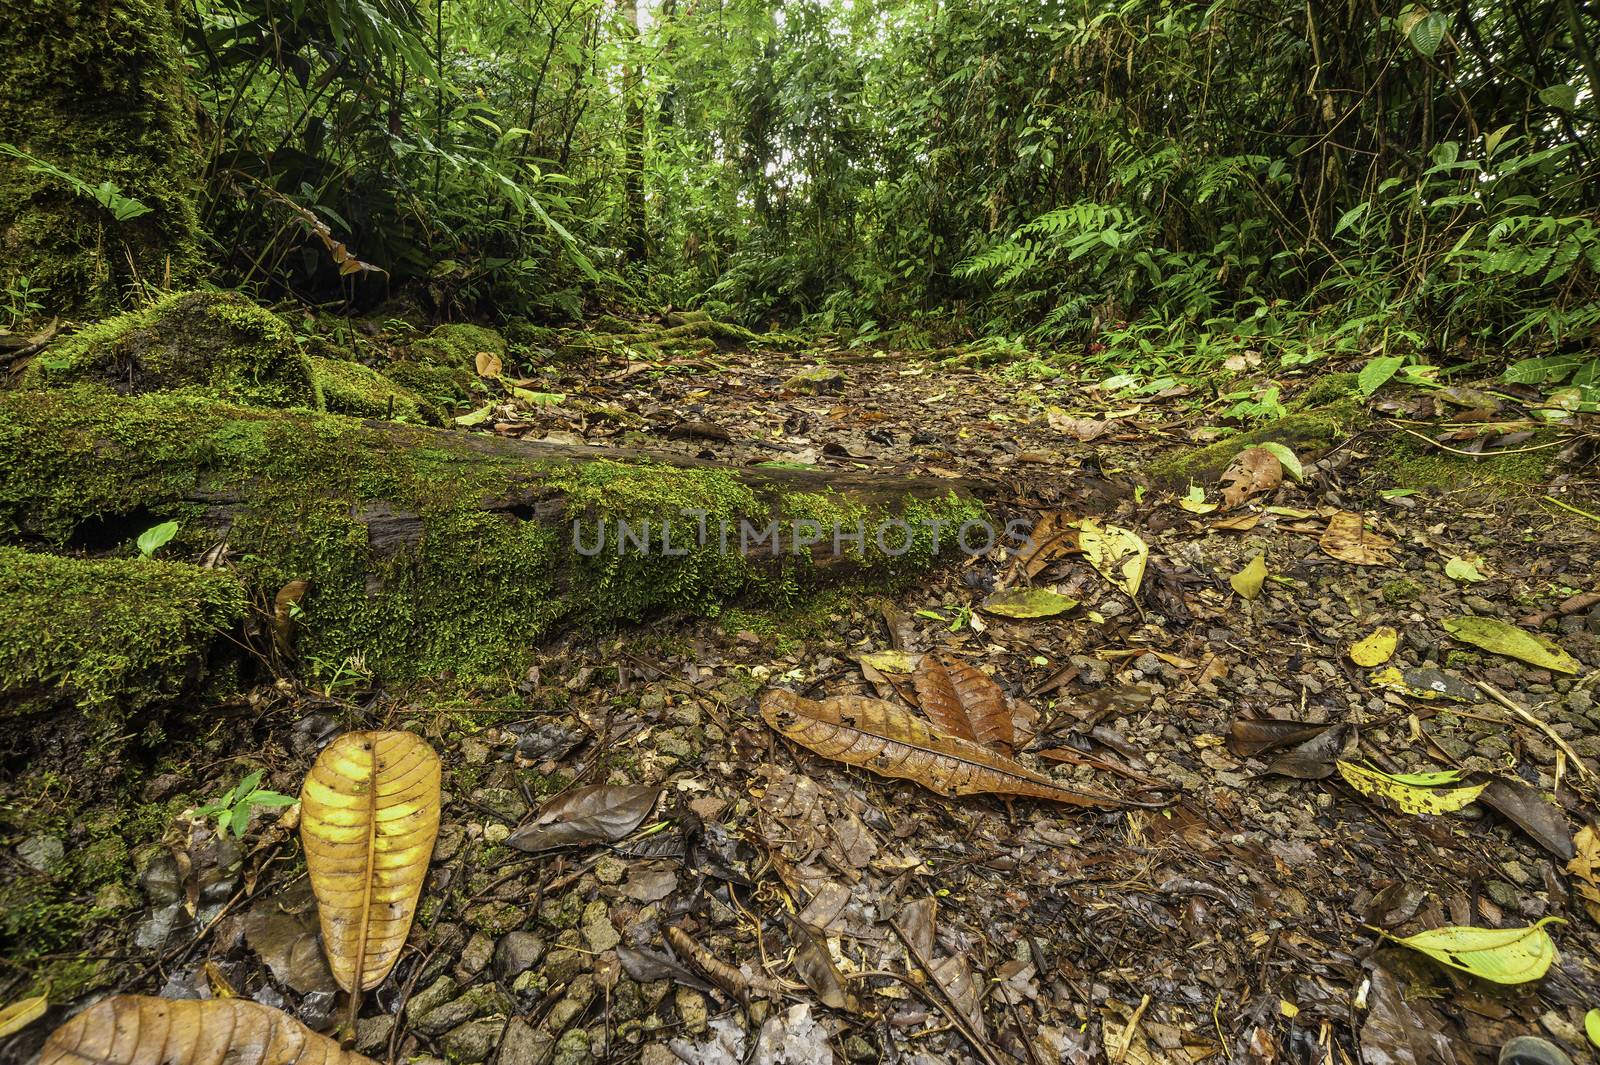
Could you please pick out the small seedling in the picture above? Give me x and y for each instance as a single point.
(156, 537)
(233, 809)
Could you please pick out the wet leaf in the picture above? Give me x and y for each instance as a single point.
(1119, 555)
(1504, 638)
(1529, 810)
(129, 1029)
(891, 742)
(1376, 648)
(1248, 581)
(1499, 955)
(1348, 540)
(961, 700)
(1027, 603)
(21, 1013)
(369, 817)
(1254, 470)
(282, 930)
(1425, 682)
(1248, 738)
(1315, 758)
(1408, 798)
(1467, 572)
(603, 813)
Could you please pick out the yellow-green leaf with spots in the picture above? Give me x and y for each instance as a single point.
(1407, 798)
(1500, 955)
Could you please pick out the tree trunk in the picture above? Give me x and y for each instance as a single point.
(94, 89)
(633, 221)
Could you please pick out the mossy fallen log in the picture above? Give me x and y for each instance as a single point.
(108, 637)
(431, 550)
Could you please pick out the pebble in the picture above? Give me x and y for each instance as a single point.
(516, 953)
(473, 1041)
(598, 931)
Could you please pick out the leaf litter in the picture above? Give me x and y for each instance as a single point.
(1172, 934)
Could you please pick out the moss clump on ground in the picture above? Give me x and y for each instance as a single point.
(351, 388)
(96, 89)
(441, 367)
(1303, 431)
(216, 342)
(421, 547)
(1413, 463)
(109, 637)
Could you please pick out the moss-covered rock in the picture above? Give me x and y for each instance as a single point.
(351, 388)
(219, 343)
(109, 637)
(96, 89)
(441, 367)
(430, 551)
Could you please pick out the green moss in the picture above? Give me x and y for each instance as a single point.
(216, 342)
(351, 388)
(1413, 463)
(420, 558)
(1301, 432)
(441, 367)
(110, 637)
(1330, 388)
(1400, 590)
(96, 89)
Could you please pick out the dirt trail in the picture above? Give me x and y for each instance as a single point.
(871, 920)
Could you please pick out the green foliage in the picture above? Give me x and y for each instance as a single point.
(233, 808)
(155, 538)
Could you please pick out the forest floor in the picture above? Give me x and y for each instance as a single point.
(823, 913)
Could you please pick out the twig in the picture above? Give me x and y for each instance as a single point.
(1576, 510)
(1479, 454)
(1572, 756)
(946, 1004)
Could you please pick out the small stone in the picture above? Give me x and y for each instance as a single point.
(816, 379)
(573, 1048)
(495, 832)
(598, 931)
(432, 997)
(562, 965)
(519, 1044)
(475, 957)
(473, 1041)
(672, 743)
(506, 804)
(43, 853)
(658, 1054)
(448, 845)
(516, 953)
(372, 1033)
(496, 918)
(609, 870)
(1500, 893)
(691, 1009)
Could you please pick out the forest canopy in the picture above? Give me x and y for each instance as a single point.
(1148, 177)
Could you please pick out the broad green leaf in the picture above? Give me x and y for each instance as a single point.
(1117, 554)
(1428, 780)
(1376, 648)
(477, 417)
(1504, 638)
(1563, 97)
(1247, 582)
(1499, 955)
(1398, 493)
(1375, 374)
(1028, 603)
(1491, 141)
(1427, 33)
(1408, 798)
(1591, 1026)
(156, 537)
(1195, 501)
(1350, 217)
(1464, 570)
(543, 399)
(1287, 459)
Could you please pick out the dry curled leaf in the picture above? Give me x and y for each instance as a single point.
(963, 701)
(1348, 540)
(725, 976)
(891, 742)
(1585, 869)
(1254, 470)
(369, 818)
(17, 1016)
(129, 1029)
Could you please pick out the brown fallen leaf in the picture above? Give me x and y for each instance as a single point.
(1053, 535)
(284, 611)
(963, 701)
(724, 975)
(125, 1029)
(1253, 471)
(1080, 429)
(601, 813)
(892, 742)
(1584, 868)
(1247, 738)
(1347, 539)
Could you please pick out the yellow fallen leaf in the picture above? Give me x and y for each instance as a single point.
(1247, 582)
(1408, 798)
(1585, 869)
(1376, 648)
(1119, 555)
(487, 364)
(1499, 955)
(1504, 638)
(891, 661)
(1195, 501)
(21, 1013)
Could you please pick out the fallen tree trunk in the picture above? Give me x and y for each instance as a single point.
(429, 550)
